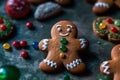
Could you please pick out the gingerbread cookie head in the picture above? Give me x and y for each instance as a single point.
(64, 29)
(106, 27)
(111, 67)
(63, 49)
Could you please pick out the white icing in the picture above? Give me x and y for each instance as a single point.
(68, 29)
(45, 44)
(50, 63)
(73, 64)
(105, 67)
(64, 35)
(102, 4)
(69, 26)
(82, 42)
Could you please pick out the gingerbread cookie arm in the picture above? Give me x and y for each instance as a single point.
(106, 67)
(43, 45)
(83, 43)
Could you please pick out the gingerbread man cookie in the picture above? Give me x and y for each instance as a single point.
(112, 67)
(63, 49)
(106, 27)
(102, 6)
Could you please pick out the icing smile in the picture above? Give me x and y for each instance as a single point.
(64, 35)
(102, 4)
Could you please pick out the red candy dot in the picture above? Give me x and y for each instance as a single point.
(109, 20)
(3, 27)
(1, 20)
(23, 43)
(16, 44)
(114, 30)
(29, 25)
(24, 54)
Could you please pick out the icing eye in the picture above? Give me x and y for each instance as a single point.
(69, 26)
(59, 28)
(68, 29)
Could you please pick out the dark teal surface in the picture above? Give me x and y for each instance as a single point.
(81, 14)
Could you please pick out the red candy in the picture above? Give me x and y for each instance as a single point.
(17, 8)
(1, 20)
(3, 27)
(109, 20)
(23, 43)
(24, 54)
(29, 25)
(114, 30)
(16, 44)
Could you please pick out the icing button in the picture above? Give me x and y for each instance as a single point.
(66, 77)
(102, 26)
(63, 41)
(63, 48)
(62, 55)
(117, 23)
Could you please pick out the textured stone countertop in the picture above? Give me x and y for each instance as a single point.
(81, 14)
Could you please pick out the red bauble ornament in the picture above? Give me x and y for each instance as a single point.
(16, 44)
(114, 30)
(29, 25)
(24, 54)
(3, 27)
(23, 43)
(109, 20)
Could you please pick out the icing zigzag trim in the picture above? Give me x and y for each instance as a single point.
(73, 64)
(102, 4)
(104, 65)
(50, 63)
(45, 44)
(82, 42)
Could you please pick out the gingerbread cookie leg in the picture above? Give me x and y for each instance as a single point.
(102, 6)
(48, 66)
(75, 66)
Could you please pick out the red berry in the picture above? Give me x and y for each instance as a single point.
(1, 20)
(29, 25)
(109, 20)
(114, 30)
(23, 43)
(3, 27)
(16, 44)
(24, 54)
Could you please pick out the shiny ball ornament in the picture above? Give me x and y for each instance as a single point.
(17, 8)
(9, 72)
(6, 46)
(16, 44)
(24, 54)
(35, 44)
(23, 43)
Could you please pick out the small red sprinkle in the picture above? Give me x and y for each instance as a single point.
(29, 25)
(23, 43)
(24, 54)
(3, 27)
(1, 20)
(109, 20)
(16, 44)
(114, 30)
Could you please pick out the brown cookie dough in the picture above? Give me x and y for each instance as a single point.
(63, 49)
(106, 27)
(112, 67)
(102, 6)
(63, 2)
(36, 1)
